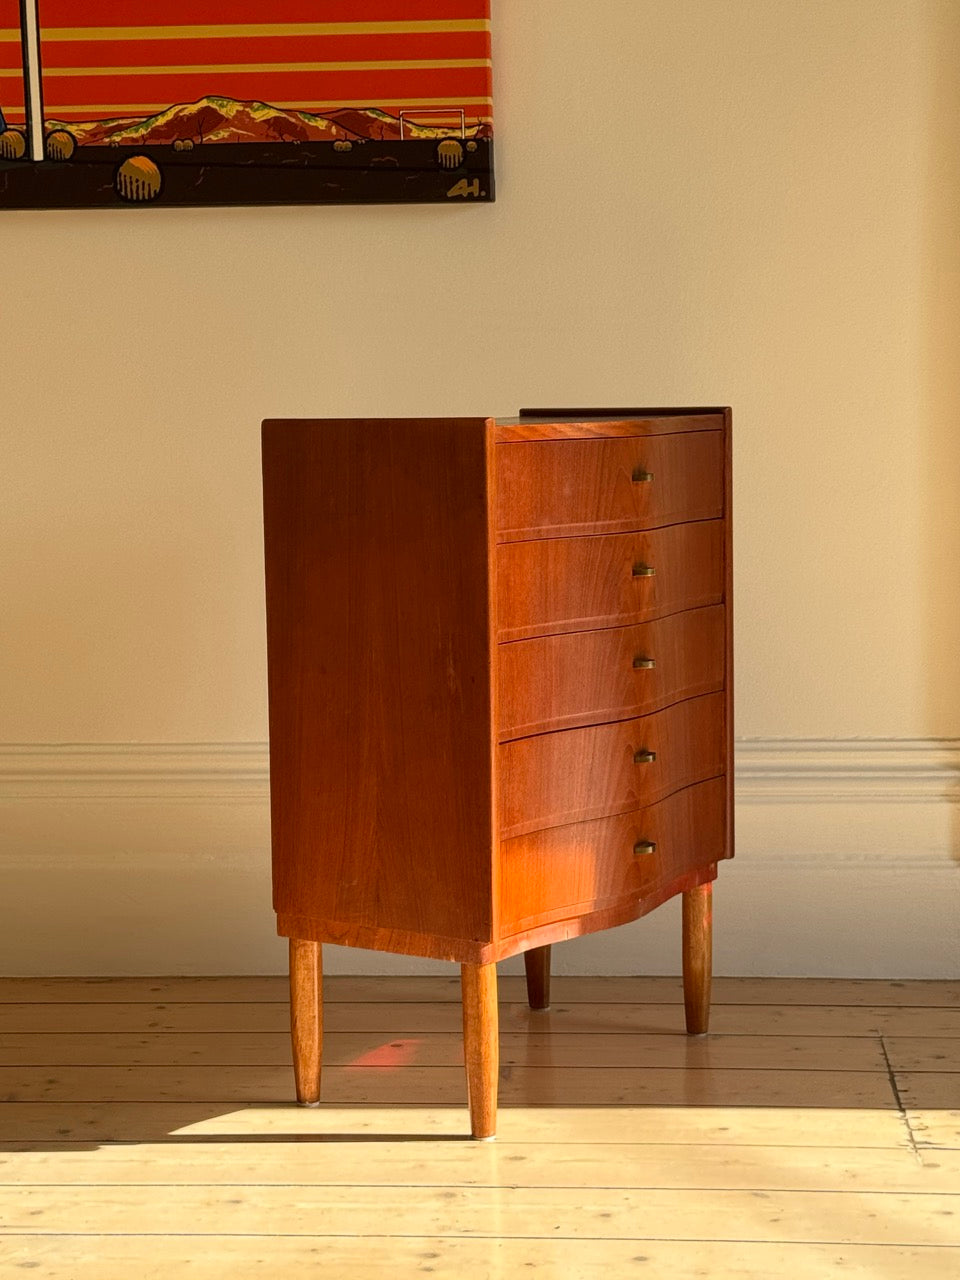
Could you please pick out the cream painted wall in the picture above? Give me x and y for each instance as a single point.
(750, 202)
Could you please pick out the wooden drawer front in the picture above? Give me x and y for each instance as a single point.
(563, 488)
(586, 866)
(590, 677)
(558, 778)
(581, 584)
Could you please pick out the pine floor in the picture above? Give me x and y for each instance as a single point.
(146, 1129)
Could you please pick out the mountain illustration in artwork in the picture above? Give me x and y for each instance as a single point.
(225, 120)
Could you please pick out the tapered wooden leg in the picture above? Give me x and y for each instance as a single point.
(537, 961)
(481, 1045)
(697, 957)
(306, 1018)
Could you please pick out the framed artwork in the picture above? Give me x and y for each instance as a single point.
(146, 103)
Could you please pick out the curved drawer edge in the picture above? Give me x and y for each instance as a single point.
(580, 775)
(583, 867)
(538, 826)
(607, 917)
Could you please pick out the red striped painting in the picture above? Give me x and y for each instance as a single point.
(242, 102)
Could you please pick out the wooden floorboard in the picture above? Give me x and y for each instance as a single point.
(923, 1053)
(367, 990)
(420, 1017)
(935, 1127)
(146, 1125)
(862, 1217)
(444, 1049)
(188, 1124)
(929, 1089)
(521, 1086)
(373, 1256)
(548, 1163)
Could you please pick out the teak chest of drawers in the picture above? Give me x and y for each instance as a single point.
(499, 658)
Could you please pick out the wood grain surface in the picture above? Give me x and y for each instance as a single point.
(697, 951)
(418, 1085)
(657, 1009)
(418, 1161)
(580, 584)
(306, 1018)
(536, 963)
(571, 424)
(538, 1044)
(725, 1214)
(188, 1125)
(379, 658)
(592, 677)
(370, 1256)
(573, 487)
(481, 1046)
(565, 871)
(578, 774)
(899, 996)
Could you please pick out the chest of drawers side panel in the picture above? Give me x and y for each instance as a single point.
(728, 621)
(379, 669)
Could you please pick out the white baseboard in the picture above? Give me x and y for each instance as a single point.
(154, 858)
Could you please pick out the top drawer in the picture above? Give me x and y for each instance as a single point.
(549, 489)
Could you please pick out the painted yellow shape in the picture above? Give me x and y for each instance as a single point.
(227, 31)
(437, 64)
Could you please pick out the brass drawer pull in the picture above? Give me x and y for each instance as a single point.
(644, 664)
(644, 757)
(641, 570)
(644, 847)
(642, 477)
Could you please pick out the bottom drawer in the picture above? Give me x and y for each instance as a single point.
(586, 866)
